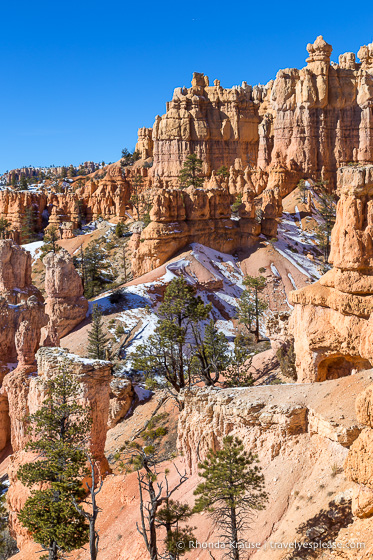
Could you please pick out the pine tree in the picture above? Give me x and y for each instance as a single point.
(23, 184)
(246, 311)
(232, 490)
(211, 355)
(28, 225)
(120, 228)
(327, 208)
(238, 373)
(255, 285)
(129, 158)
(51, 236)
(237, 203)
(302, 191)
(223, 171)
(169, 516)
(4, 228)
(190, 174)
(8, 546)
(97, 339)
(166, 354)
(60, 429)
(95, 263)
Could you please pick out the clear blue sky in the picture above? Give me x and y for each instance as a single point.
(79, 78)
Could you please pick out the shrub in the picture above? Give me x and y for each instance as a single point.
(237, 203)
(116, 297)
(119, 331)
(286, 358)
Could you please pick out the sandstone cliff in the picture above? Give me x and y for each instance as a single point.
(310, 121)
(332, 319)
(21, 307)
(193, 215)
(65, 304)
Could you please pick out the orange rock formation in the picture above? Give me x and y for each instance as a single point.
(332, 319)
(65, 304)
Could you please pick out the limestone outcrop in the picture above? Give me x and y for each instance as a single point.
(332, 321)
(65, 304)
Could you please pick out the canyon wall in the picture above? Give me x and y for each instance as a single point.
(332, 321)
(312, 120)
(179, 217)
(84, 200)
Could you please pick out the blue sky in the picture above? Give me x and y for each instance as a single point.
(79, 78)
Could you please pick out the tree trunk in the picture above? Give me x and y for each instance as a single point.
(92, 538)
(256, 316)
(235, 551)
(53, 551)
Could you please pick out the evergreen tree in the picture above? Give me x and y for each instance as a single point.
(169, 516)
(63, 172)
(246, 311)
(97, 339)
(232, 490)
(94, 264)
(327, 207)
(28, 226)
(211, 355)
(51, 236)
(129, 158)
(23, 184)
(4, 228)
(166, 354)
(302, 191)
(237, 203)
(238, 373)
(8, 546)
(60, 429)
(255, 285)
(120, 228)
(223, 171)
(136, 195)
(190, 174)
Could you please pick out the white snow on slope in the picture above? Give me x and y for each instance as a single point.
(293, 243)
(33, 247)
